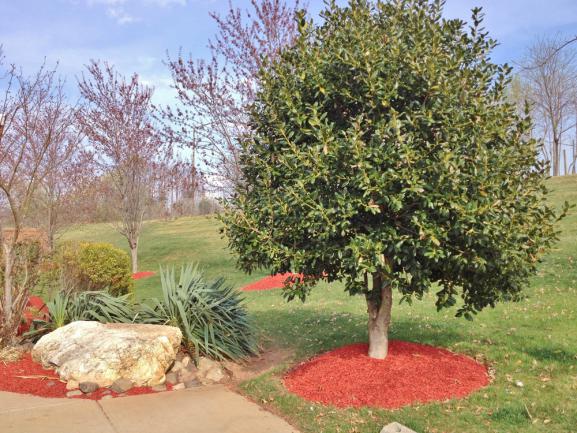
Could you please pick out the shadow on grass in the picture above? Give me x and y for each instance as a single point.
(556, 354)
(309, 331)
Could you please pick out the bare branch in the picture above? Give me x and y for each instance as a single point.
(117, 121)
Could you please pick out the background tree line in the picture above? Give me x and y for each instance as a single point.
(547, 82)
(112, 156)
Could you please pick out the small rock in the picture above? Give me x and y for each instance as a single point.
(191, 367)
(176, 367)
(178, 386)
(88, 387)
(206, 364)
(185, 361)
(519, 384)
(74, 393)
(209, 371)
(215, 375)
(106, 397)
(235, 370)
(159, 388)
(185, 376)
(71, 384)
(395, 427)
(172, 378)
(192, 383)
(121, 385)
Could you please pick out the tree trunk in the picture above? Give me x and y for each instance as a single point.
(134, 255)
(556, 155)
(51, 229)
(50, 241)
(8, 289)
(379, 304)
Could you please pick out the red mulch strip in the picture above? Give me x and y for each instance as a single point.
(45, 383)
(144, 274)
(273, 282)
(411, 374)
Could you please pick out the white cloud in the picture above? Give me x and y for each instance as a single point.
(166, 3)
(115, 9)
(120, 15)
(119, 9)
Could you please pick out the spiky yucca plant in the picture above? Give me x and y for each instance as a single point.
(99, 306)
(211, 315)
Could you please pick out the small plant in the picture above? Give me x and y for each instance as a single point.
(99, 306)
(58, 310)
(212, 317)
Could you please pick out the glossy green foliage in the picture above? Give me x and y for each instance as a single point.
(383, 142)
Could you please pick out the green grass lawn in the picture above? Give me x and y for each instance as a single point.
(533, 341)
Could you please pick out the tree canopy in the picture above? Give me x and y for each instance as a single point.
(384, 149)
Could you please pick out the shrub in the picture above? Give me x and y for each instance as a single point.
(104, 266)
(89, 266)
(98, 306)
(212, 317)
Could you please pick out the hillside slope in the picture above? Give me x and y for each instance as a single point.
(533, 341)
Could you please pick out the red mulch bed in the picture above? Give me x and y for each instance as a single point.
(28, 377)
(411, 374)
(268, 283)
(144, 274)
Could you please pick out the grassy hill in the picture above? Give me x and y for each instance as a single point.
(168, 243)
(533, 341)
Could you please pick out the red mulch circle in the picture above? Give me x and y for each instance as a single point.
(28, 377)
(411, 374)
(268, 283)
(144, 274)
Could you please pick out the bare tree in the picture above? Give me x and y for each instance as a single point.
(32, 110)
(550, 80)
(93, 201)
(116, 119)
(212, 96)
(68, 166)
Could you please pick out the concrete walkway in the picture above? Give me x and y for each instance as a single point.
(213, 409)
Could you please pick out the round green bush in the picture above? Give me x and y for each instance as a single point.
(104, 266)
(92, 266)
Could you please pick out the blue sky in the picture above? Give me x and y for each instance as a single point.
(136, 34)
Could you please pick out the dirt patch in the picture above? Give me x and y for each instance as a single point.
(257, 365)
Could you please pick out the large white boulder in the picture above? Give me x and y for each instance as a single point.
(103, 353)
